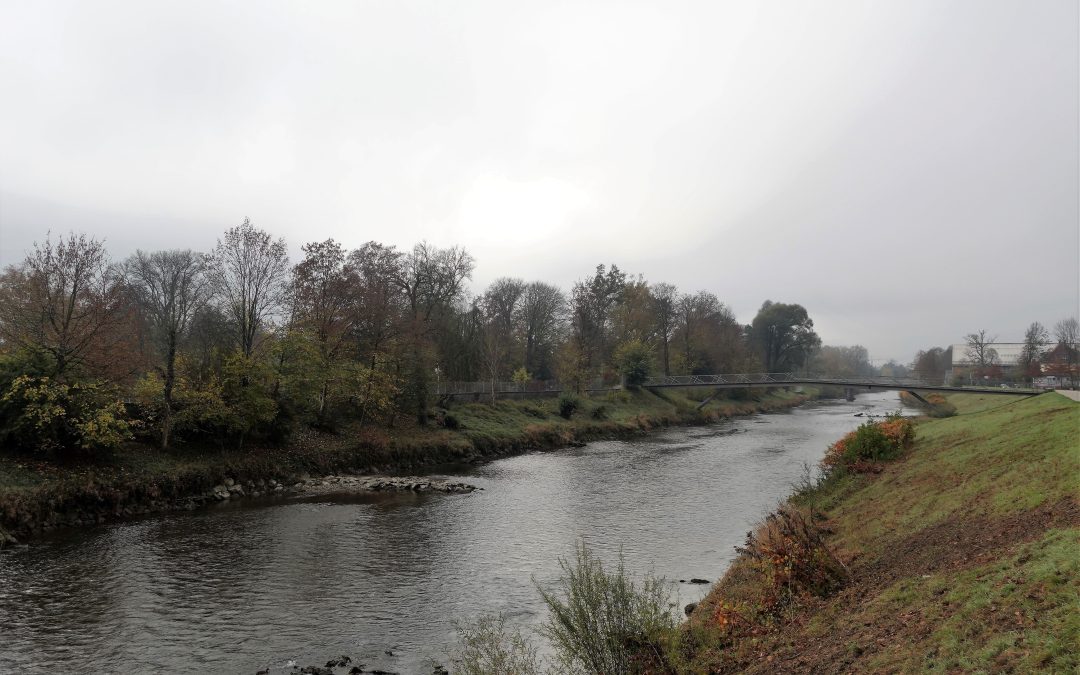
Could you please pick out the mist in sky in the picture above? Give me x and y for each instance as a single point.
(908, 170)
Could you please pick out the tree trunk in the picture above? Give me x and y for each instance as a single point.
(419, 385)
(170, 382)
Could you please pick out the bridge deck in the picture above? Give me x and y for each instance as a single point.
(765, 380)
(732, 381)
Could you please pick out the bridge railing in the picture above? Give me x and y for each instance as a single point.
(707, 380)
(501, 387)
(875, 379)
(729, 380)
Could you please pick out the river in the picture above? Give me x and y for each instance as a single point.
(259, 583)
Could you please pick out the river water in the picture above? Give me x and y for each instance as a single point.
(257, 584)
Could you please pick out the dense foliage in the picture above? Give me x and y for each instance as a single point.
(239, 346)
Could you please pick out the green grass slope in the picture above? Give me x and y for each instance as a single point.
(964, 555)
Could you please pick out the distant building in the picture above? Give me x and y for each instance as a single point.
(1059, 365)
(1062, 363)
(1006, 362)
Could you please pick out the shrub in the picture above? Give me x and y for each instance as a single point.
(196, 410)
(600, 413)
(487, 647)
(521, 377)
(568, 405)
(602, 621)
(783, 562)
(789, 553)
(450, 421)
(871, 442)
(633, 360)
(938, 406)
(935, 405)
(45, 415)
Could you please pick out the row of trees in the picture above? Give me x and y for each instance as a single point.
(1042, 353)
(239, 341)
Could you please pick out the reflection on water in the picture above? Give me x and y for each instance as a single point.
(241, 587)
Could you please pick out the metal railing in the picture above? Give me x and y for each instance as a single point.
(726, 380)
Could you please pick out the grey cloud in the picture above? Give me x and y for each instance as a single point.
(906, 170)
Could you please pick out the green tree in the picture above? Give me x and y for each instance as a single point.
(591, 305)
(245, 388)
(783, 336)
(634, 360)
(325, 303)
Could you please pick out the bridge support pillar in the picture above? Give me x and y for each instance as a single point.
(849, 394)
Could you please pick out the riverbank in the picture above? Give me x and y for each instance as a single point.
(38, 496)
(959, 556)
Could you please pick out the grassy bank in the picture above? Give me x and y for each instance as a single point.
(39, 495)
(961, 556)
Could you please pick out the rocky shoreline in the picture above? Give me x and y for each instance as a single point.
(334, 484)
(231, 489)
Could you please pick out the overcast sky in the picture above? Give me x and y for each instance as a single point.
(906, 170)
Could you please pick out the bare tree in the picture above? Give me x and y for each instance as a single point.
(541, 315)
(430, 279)
(1036, 338)
(379, 298)
(170, 288)
(693, 312)
(500, 305)
(64, 300)
(249, 271)
(665, 298)
(839, 361)
(1067, 333)
(931, 364)
(979, 350)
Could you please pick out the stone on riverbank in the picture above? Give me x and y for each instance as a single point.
(332, 484)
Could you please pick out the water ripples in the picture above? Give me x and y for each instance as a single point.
(246, 586)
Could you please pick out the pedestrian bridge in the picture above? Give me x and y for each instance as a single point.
(766, 380)
(476, 390)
